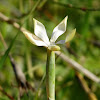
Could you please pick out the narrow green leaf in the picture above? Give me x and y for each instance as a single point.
(2, 60)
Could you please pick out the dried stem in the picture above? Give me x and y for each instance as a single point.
(79, 67)
(5, 93)
(84, 85)
(20, 77)
(74, 7)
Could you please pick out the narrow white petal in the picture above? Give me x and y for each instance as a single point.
(70, 36)
(29, 36)
(40, 31)
(59, 30)
(61, 42)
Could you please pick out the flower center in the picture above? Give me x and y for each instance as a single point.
(53, 47)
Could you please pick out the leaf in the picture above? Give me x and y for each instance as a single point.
(2, 60)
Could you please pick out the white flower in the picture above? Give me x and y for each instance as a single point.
(40, 32)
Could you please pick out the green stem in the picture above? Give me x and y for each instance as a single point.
(50, 75)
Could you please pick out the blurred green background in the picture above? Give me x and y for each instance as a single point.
(84, 48)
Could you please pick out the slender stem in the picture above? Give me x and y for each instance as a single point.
(50, 75)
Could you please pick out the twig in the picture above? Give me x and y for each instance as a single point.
(20, 77)
(12, 22)
(84, 85)
(73, 63)
(78, 67)
(74, 7)
(95, 43)
(5, 93)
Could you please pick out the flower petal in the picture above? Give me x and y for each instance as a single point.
(29, 36)
(70, 36)
(59, 30)
(61, 42)
(40, 31)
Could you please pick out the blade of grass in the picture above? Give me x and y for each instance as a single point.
(36, 97)
(2, 60)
